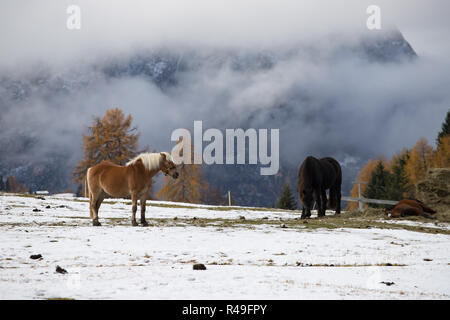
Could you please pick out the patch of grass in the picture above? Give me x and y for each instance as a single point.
(37, 224)
(442, 215)
(351, 265)
(329, 222)
(218, 208)
(192, 261)
(310, 224)
(25, 195)
(226, 263)
(19, 206)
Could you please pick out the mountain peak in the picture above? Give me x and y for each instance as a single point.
(386, 46)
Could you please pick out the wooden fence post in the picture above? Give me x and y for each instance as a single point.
(360, 198)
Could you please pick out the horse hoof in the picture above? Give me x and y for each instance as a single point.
(134, 223)
(95, 223)
(144, 223)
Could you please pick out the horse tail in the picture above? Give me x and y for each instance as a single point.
(87, 180)
(91, 214)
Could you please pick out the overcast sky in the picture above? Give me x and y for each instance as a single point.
(33, 29)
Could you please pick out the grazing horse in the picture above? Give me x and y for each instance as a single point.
(410, 207)
(314, 178)
(133, 179)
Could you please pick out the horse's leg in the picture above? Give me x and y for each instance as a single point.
(91, 200)
(428, 210)
(427, 215)
(99, 202)
(318, 201)
(303, 213)
(142, 201)
(96, 206)
(92, 210)
(338, 199)
(134, 199)
(323, 202)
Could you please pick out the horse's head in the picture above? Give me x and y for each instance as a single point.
(307, 197)
(168, 167)
(388, 211)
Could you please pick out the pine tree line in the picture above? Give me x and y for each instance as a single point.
(389, 185)
(12, 185)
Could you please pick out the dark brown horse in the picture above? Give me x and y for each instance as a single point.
(133, 180)
(410, 207)
(314, 178)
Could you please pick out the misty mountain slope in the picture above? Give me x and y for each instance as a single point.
(319, 95)
(387, 47)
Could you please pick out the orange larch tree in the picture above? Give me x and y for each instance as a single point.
(110, 138)
(189, 187)
(364, 176)
(13, 185)
(419, 161)
(441, 158)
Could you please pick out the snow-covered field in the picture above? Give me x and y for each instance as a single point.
(248, 253)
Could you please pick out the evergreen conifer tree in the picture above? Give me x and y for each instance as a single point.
(445, 130)
(287, 199)
(378, 184)
(398, 186)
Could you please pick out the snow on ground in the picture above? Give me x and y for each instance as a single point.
(260, 261)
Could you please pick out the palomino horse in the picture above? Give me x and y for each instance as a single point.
(133, 179)
(314, 178)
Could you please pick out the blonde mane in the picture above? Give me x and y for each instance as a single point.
(151, 161)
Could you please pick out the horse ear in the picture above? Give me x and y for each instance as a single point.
(163, 155)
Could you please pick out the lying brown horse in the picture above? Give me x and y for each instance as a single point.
(410, 207)
(133, 179)
(315, 176)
